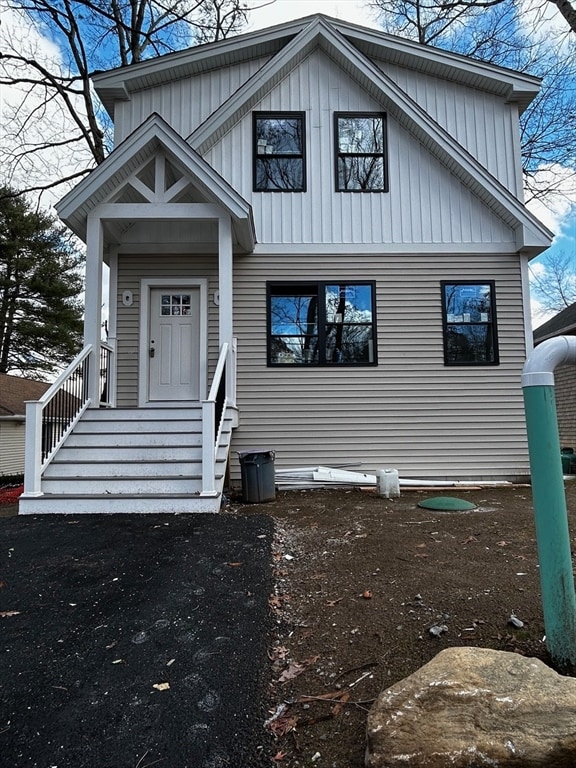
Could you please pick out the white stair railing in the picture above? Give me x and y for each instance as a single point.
(220, 397)
(50, 419)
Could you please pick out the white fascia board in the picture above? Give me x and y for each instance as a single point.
(518, 86)
(118, 84)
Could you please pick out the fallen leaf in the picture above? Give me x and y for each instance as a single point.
(502, 543)
(279, 756)
(234, 565)
(118, 661)
(332, 603)
(293, 670)
(161, 686)
(283, 725)
(4, 614)
(2, 584)
(367, 594)
(469, 540)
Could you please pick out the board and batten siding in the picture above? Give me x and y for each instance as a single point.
(184, 103)
(485, 124)
(425, 203)
(482, 122)
(132, 269)
(12, 435)
(410, 412)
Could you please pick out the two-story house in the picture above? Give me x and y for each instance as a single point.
(317, 244)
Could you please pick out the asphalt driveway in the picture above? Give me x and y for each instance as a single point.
(134, 640)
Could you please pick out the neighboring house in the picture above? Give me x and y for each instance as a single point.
(317, 244)
(563, 324)
(14, 392)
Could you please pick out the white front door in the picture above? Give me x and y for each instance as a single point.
(174, 344)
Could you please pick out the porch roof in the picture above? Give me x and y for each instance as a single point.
(129, 175)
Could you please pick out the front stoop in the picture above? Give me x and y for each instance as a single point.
(127, 460)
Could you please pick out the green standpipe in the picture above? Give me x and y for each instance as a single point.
(550, 512)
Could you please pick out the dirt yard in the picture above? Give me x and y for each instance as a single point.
(369, 589)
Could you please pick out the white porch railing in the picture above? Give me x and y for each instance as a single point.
(222, 395)
(50, 419)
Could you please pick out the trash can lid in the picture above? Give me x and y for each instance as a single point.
(250, 451)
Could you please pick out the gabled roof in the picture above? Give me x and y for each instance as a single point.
(155, 136)
(14, 391)
(349, 45)
(117, 84)
(531, 235)
(562, 324)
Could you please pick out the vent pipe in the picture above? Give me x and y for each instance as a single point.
(549, 497)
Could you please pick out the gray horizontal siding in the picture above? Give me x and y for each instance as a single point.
(12, 447)
(410, 412)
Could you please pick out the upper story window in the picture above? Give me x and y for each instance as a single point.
(360, 152)
(279, 152)
(469, 320)
(326, 323)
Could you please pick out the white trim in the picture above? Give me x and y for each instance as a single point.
(526, 306)
(146, 285)
(118, 84)
(386, 249)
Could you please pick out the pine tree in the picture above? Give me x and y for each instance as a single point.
(40, 286)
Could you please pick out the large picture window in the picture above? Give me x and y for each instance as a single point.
(360, 152)
(469, 319)
(279, 152)
(327, 323)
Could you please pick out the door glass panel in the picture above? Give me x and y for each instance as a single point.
(175, 304)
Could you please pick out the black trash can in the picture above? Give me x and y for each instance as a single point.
(257, 469)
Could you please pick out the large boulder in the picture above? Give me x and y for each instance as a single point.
(473, 707)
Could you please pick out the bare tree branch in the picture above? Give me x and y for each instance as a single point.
(53, 89)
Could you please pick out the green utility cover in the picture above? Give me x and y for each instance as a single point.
(446, 504)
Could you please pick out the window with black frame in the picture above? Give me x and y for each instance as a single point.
(279, 152)
(321, 323)
(469, 320)
(360, 140)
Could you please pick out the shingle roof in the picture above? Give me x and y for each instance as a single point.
(564, 323)
(14, 391)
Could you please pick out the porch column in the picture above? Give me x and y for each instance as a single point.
(225, 267)
(93, 308)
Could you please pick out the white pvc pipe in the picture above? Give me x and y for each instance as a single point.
(539, 368)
